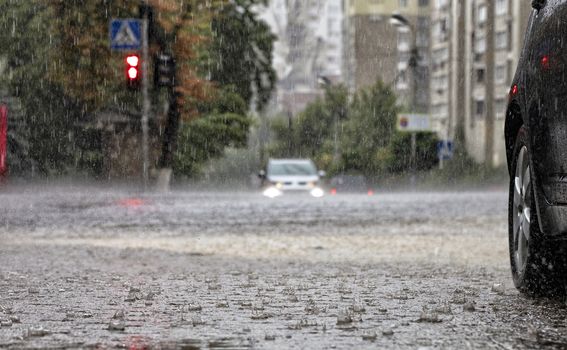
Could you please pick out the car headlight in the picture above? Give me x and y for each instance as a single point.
(317, 192)
(272, 192)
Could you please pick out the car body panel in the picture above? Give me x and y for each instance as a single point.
(294, 183)
(540, 105)
(301, 174)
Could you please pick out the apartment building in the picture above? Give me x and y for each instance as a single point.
(376, 49)
(475, 49)
(309, 46)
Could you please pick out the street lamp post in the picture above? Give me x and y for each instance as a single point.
(402, 22)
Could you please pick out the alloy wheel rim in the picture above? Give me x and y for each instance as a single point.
(522, 210)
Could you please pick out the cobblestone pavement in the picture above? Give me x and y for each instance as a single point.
(92, 268)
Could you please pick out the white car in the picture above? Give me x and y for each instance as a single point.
(291, 175)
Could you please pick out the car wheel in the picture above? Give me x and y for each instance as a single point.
(533, 268)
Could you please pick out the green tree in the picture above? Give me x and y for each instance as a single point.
(369, 130)
(312, 133)
(40, 139)
(242, 51)
(312, 129)
(225, 125)
(61, 67)
(284, 140)
(400, 148)
(366, 130)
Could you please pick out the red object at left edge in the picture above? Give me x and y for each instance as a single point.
(3, 139)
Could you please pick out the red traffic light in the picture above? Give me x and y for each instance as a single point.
(133, 70)
(133, 60)
(132, 73)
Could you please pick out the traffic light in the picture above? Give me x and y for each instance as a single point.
(164, 74)
(133, 71)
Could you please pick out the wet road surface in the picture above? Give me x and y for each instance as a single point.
(92, 268)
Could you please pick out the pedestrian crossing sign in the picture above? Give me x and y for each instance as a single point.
(125, 34)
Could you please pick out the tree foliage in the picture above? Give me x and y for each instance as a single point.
(61, 67)
(39, 140)
(363, 128)
(369, 129)
(400, 157)
(242, 51)
(88, 70)
(312, 133)
(225, 124)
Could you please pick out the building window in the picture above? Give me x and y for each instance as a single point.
(501, 41)
(423, 23)
(479, 108)
(480, 73)
(440, 84)
(404, 41)
(403, 56)
(423, 3)
(482, 14)
(501, 7)
(441, 30)
(500, 106)
(441, 3)
(374, 18)
(500, 73)
(402, 80)
(422, 39)
(441, 54)
(440, 110)
(480, 46)
(403, 3)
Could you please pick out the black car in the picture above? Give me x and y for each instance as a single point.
(536, 146)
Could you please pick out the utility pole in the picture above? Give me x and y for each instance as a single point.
(401, 21)
(453, 131)
(290, 135)
(459, 30)
(489, 118)
(413, 64)
(145, 96)
(467, 39)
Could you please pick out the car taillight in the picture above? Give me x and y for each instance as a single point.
(545, 62)
(513, 92)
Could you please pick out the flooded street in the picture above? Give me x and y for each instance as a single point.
(92, 268)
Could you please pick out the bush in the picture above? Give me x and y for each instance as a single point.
(400, 148)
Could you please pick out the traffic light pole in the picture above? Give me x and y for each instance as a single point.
(146, 99)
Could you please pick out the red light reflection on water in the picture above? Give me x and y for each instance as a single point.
(131, 202)
(137, 343)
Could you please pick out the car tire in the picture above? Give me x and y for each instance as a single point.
(535, 270)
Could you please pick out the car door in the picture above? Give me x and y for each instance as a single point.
(546, 94)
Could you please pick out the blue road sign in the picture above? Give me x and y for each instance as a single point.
(445, 149)
(125, 34)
